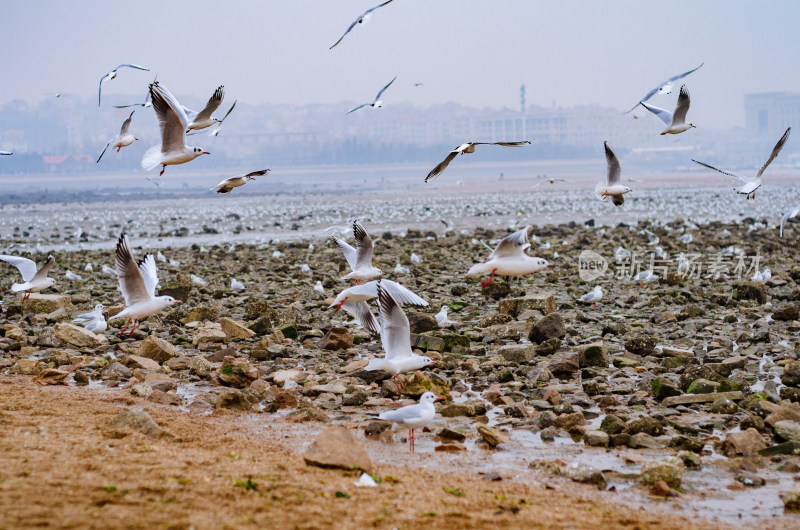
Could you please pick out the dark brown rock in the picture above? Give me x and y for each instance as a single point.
(548, 327)
(337, 338)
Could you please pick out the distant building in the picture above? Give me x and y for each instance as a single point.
(771, 113)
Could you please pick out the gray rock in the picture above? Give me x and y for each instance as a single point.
(338, 447)
(670, 471)
(594, 354)
(548, 327)
(584, 474)
(138, 421)
(788, 430)
(596, 439)
(517, 353)
(116, 372)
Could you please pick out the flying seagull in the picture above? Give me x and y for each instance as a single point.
(33, 280)
(551, 181)
(203, 119)
(354, 301)
(123, 139)
(664, 87)
(612, 188)
(234, 182)
(396, 340)
(6, 153)
(173, 122)
(363, 19)
(112, 74)
(378, 103)
(465, 148)
(137, 282)
(216, 130)
(360, 257)
(675, 122)
(751, 184)
(510, 259)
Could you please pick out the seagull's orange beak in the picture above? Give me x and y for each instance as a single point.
(438, 399)
(176, 302)
(206, 153)
(550, 265)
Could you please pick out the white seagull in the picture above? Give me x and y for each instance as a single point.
(675, 122)
(137, 282)
(360, 257)
(441, 318)
(216, 130)
(395, 339)
(551, 181)
(362, 19)
(509, 258)
(751, 184)
(93, 320)
(123, 139)
(593, 296)
(468, 147)
(664, 87)
(378, 103)
(612, 188)
(354, 301)
(173, 122)
(236, 285)
(33, 280)
(413, 416)
(72, 276)
(112, 74)
(794, 212)
(203, 119)
(234, 182)
(6, 153)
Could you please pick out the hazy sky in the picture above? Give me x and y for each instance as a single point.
(473, 52)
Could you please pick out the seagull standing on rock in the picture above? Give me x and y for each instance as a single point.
(415, 416)
(93, 320)
(137, 282)
(593, 296)
(509, 258)
(33, 280)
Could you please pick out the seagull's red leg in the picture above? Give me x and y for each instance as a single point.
(163, 168)
(490, 280)
(411, 436)
(26, 295)
(118, 148)
(340, 305)
(397, 382)
(125, 326)
(133, 328)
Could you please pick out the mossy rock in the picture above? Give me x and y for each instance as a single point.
(419, 383)
(289, 331)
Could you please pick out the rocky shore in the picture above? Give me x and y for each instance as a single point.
(689, 376)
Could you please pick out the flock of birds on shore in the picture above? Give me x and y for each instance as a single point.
(138, 280)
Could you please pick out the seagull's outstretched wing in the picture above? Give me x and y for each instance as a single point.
(612, 162)
(349, 252)
(359, 107)
(229, 110)
(775, 151)
(127, 65)
(258, 173)
(504, 144)
(6, 153)
(25, 266)
(401, 294)
(363, 315)
(149, 274)
(734, 175)
(171, 118)
(104, 152)
(441, 166)
(42, 273)
(395, 329)
(682, 107)
(384, 89)
(127, 123)
(663, 86)
(663, 114)
(364, 246)
(131, 282)
(213, 104)
(791, 213)
(512, 245)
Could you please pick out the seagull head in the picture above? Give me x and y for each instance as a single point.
(168, 301)
(429, 397)
(200, 151)
(248, 177)
(50, 282)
